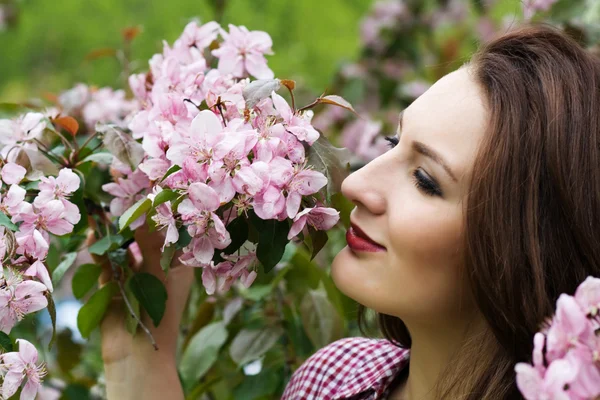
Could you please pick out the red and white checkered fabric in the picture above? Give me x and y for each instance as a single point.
(356, 368)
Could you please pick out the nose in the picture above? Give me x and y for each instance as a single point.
(366, 187)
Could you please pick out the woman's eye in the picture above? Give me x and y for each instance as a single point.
(392, 141)
(424, 183)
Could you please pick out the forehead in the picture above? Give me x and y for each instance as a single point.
(451, 118)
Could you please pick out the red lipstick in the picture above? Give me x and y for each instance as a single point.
(359, 241)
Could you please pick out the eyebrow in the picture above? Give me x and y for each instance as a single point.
(427, 151)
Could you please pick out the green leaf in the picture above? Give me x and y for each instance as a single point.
(170, 171)
(100, 158)
(184, 238)
(131, 323)
(93, 311)
(318, 240)
(151, 294)
(52, 312)
(250, 344)
(257, 292)
(163, 196)
(78, 200)
(105, 244)
(167, 257)
(333, 162)
(33, 185)
(68, 352)
(272, 240)
(321, 321)
(259, 386)
(202, 351)
(6, 342)
(238, 231)
(84, 279)
(5, 221)
(134, 212)
(65, 264)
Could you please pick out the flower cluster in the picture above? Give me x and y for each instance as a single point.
(104, 105)
(21, 366)
(32, 206)
(219, 154)
(566, 354)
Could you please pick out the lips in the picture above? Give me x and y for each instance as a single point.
(358, 240)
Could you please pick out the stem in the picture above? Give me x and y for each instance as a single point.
(293, 99)
(311, 105)
(89, 139)
(63, 139)
(52, 157)
(287, 367)
(130, 308)
(221, 112)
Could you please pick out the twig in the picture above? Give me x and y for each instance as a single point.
(63, 139)
(221, 112)
(89, 139)
(311, 105)
(116, 276)
(287, 367)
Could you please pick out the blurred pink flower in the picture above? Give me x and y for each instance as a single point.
(243, 52)
(13, 173)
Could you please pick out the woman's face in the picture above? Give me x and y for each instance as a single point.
(410, 201)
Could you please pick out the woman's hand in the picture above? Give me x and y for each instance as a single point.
(133, 368)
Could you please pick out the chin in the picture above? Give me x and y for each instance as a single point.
(348, 276)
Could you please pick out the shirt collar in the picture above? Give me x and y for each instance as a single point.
(376, 371)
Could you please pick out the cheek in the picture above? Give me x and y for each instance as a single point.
(425, 259)
(417, 278)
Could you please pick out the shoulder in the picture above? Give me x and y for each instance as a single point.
(344, 368)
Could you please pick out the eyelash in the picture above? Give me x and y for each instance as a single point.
(427, 185)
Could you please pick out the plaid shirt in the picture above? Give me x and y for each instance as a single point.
(352, 368)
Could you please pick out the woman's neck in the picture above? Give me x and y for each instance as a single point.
(432, 350)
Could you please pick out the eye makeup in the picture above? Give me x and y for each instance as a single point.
(421, 179)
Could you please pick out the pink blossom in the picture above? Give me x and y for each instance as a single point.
(52, 217)
(320, 218)
(570, 328)
(155, 168)
(530, 7)
(13, 201)
(21, 365)
(26, 127)
(205, 227)
(39, 270)
(548, 386)
(299, 125)
(28, 297)
(107, 105)
(243, 52)
(205, 133)
(32, 243)
(588, 296)
(199, 37)
(13, 173)
(164, 219)
(127, 191)
(60, 188)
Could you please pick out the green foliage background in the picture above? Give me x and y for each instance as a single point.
(46, 48)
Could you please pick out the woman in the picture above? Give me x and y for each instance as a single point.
(464, 235)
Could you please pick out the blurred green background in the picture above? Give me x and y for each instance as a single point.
(46, 48)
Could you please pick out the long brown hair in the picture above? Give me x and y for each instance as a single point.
(533, 210)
